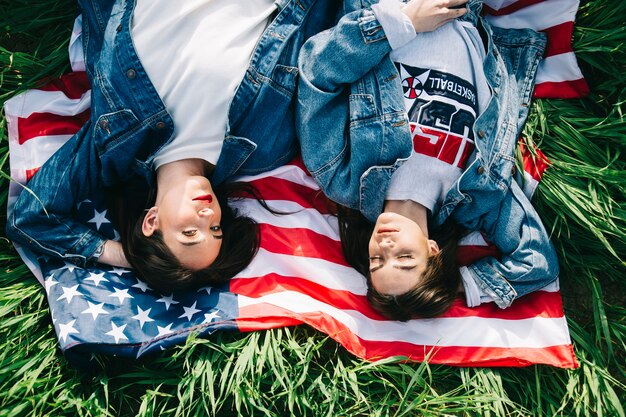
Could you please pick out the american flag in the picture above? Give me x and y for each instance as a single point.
(299, 275)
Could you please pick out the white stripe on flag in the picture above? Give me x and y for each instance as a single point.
(474, 238)
(535, 332)
(287, 172)
(75, 48)
(297, 217)
(557, 68)
(33, 153)
(538, 16)
(329, 274)
(53, 102)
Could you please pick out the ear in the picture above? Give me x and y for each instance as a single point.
(433, 246)
(150, 222)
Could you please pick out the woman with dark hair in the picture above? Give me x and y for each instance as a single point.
(184, 95)
(403, 298)
(408, 117)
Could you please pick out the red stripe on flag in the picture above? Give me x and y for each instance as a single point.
(561, 356)
(538, 304)
(468, 254)
(272, 188)
(519, 4)
(252, 318)
(559, 39)
(562, 89)
(546, 304)
(535, 163)
(301, 242)
(30, 173)
(73, 84)
(275, 283)
(48, 124)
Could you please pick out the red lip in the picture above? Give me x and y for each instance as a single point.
(207, 197)
(386, 230)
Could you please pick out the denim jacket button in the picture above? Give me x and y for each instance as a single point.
(481, 133)
(160, 125)
(131, 73)
(513, 170)
(104, 124)
(481, 170)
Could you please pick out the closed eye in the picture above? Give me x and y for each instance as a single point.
(376, 262)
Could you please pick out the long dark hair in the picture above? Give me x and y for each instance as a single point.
(153, 260)
(437, 288)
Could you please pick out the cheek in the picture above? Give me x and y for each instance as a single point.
(372, 246)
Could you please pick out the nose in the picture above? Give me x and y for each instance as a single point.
(206, 212)
(386, 243)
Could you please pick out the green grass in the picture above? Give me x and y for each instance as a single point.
(298, 371)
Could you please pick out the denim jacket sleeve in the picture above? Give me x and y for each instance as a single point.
(528, 260)
(43, 215)
(332, 64)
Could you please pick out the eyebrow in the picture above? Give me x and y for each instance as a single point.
(402, 267)
(218, 237)
(405, 268)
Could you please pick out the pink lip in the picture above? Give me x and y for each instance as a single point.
(207, 197)
(386, 230)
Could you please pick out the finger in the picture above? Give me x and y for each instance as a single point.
(455, 3)
(451, 14)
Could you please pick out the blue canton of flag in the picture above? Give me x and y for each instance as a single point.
(112, 311)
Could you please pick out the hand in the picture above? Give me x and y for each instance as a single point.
(428, 15)
(114, 255)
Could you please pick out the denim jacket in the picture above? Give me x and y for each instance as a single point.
(354, 133)
(129, 123)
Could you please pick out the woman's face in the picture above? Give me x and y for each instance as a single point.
(188, 217)
(398, 251)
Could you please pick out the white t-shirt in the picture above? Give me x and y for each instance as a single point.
(196, 53)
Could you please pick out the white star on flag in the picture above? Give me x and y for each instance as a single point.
(117, 332)
(142, 316)
(207, 289)
(165, 330)
(96, 278)
(95, 310)
(69, 293)
(208, 317)
(121, 294)
(189, 311)
(99, 218)
(49, 283)
(142, 286)
(67, 329)
(70, 267)
(119, 271)
(169, 300)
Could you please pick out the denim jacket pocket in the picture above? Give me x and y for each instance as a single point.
(284, 78)
(362, 107)
(111, 128)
